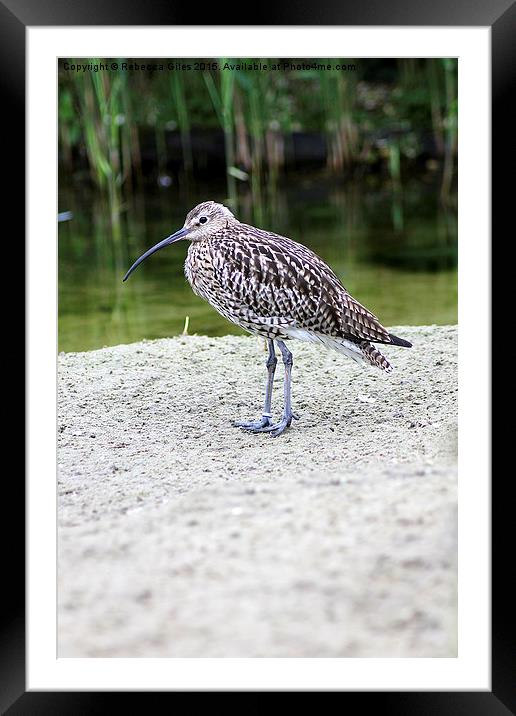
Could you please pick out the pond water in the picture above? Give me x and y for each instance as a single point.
(396, 252)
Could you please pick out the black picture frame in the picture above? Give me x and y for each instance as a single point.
(15, 16)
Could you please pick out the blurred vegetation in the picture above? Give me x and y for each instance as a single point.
(360, 164)
(382, 112)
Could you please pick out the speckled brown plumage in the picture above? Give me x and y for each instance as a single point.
(278, 289)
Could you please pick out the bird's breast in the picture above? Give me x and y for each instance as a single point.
(214, 278)
(199, 268)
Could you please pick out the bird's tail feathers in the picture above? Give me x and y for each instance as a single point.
(395, 341)
(360, 351)
(375, 357)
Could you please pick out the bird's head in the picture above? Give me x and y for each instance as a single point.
(206, 219)
(200, 223)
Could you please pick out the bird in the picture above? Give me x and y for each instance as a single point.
(276, 288)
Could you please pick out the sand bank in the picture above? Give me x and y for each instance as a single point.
(180, 535)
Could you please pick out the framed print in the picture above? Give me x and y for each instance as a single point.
(258, 419)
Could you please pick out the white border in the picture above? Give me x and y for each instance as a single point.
(471, 670)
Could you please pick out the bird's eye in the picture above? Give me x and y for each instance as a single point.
(203, 219)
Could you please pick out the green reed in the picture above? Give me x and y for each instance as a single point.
(177, 86)
(450, 123)
(221, 94)
(106, 115)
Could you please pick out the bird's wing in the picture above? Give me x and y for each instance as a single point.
(275, 276)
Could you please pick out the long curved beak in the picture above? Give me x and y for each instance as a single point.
(166, 242)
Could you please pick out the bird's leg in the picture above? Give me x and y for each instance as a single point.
(265, 420)
(288, 415)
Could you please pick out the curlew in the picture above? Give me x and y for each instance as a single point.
(278, 289)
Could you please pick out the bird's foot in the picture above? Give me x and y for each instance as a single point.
(279, 428)
(274, 429)
(254, 426)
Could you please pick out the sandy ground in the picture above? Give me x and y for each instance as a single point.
(180, 535)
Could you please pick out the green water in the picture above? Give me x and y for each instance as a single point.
(396, 253)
